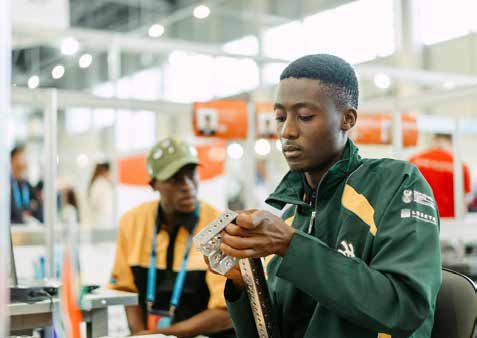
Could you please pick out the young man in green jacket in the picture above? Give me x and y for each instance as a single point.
(362, 257)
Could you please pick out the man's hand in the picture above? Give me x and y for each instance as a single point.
(257, 233)
(233, 274)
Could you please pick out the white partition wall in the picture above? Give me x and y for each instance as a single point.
(5, 69)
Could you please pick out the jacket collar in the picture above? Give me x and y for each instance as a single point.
(291, 189)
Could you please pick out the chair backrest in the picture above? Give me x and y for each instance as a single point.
(456, 307)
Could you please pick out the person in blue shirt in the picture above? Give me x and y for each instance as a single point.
(24, 203)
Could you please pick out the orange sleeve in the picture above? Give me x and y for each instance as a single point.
(121, 276)
(216, 286)
(467, 185)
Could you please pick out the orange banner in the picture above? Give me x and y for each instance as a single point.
(132, 170)
(377, 129)
(212, 159)
(265, 121)
(226, 119)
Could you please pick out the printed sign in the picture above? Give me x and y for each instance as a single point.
(225, 119)
(265, 121)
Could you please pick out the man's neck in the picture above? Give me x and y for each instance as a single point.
(16, 177)
(171, 219)
(314, 176)
(168, 219)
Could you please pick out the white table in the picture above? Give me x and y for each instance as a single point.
(25, 316)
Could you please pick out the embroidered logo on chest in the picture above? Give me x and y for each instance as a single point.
(347, 249)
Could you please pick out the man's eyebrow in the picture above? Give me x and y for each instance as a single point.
(298, 105)
(305, 104)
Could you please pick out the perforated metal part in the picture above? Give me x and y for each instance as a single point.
(208, 239)
(208, 243)
(259, 298)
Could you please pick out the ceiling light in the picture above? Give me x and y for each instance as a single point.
(201, 12)
(58, 72)
(262, 147)
(70, 46)
(33, 82)
(382, 81)
(449, 85)
(82, 160)
(85, 60)
(156, 30)
(235, 151)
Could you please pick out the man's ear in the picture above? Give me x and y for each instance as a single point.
(154, 183)
(349, 119)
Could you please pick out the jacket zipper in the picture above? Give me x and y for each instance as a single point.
(315, 205)
(312, 221)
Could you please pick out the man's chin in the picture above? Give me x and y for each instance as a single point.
(186, 208)
(296, 167)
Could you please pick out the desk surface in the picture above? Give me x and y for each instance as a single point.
(98, 299)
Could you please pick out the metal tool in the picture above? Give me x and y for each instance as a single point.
(208, 242)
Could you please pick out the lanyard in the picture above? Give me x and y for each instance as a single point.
(180, 279)
(22, 200)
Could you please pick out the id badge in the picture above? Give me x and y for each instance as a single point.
(157, 319)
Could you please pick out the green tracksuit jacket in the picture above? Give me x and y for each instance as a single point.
(364, 261)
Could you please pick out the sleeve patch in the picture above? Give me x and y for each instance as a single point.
(420, 216)
(409, 196)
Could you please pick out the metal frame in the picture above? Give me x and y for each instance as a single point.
(5, 78)
(51, 154)
(99, 40)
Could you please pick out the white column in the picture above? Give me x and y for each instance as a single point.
(51, 166)
(409, 47)
(396, 127)
(114, 69)
(5, 78)
(459, 205)
(250, 160)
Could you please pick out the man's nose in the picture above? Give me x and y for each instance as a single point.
(289, 129)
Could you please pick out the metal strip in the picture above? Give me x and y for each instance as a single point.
(208, 242)
(51, 160)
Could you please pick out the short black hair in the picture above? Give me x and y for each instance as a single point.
(17, 149)
(331, 71)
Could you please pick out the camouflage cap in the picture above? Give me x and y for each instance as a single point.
(168, 156)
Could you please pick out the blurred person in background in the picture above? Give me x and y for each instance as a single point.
(437, 166)
(100, 196)
(40, 196)
(24, 204)
(69, 207)
(154, 247)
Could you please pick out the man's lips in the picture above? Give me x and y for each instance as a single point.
(291, 151)
(188, 199)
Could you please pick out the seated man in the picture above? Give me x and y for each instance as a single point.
(152, 248)
(362, 257)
